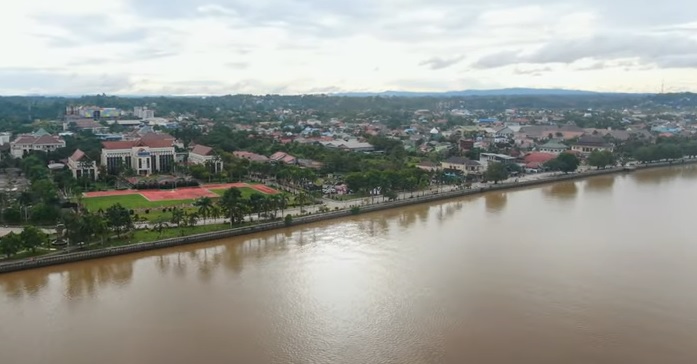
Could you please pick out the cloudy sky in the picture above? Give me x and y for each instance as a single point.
(197, 47)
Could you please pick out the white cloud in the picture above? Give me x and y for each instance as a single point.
(296, 46)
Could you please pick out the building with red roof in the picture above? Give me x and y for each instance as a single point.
(39, 141)
(82, 166)
(147, 155)
(201, 154)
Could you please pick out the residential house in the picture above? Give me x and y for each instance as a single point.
(144, 156)
(251, 156)
(39, 141)
(589, 143)
(353, 145)
(82, 166)
(282, 157)
(552, 147)
(464, 165)
(536, 160)
(201, 154)
(505, 132)
(428, 166)
(465, 145)
(486, 158)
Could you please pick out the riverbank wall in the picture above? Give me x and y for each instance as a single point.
(38, 262)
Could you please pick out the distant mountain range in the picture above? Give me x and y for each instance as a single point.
(496, 92)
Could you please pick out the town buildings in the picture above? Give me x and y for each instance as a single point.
(202, 154)
(353, 145)
(552, 147)
(38, 141)
(81, 166)
(153, 153)
(464, 165)
(590, 143)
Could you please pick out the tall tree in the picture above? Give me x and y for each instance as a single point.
(118, 218)
(32, 238)
(496, 172)
(204, 204)
(231, 203)
(10, 244)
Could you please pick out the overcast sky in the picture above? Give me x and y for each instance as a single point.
(199, 47)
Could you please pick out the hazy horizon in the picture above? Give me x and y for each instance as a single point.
(218, 47)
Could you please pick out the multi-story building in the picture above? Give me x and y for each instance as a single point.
(82, 166)
(5, 138)
(202, 154)
(486, 158)
(464, 165)
(39, 141)
(143, 112)
(589, 143)
(144, 156)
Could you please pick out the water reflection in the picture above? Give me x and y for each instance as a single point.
(561, 191)
(25, 284)
(602, 183)
(86, 278)
(657, 176)
(495, 201)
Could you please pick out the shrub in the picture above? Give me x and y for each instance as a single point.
(355, 210)
(147, 211)
(131, 212)
(288, 221)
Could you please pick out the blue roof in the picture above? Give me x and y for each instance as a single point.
(488, 120)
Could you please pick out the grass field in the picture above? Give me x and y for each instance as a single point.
(128, 201)
(136, 201)
(246, 191)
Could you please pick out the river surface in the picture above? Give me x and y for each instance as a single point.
(595, 271)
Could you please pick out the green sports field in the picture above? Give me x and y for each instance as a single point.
(134, 201)
(246, 191)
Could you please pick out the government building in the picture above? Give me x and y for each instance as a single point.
(153, 153)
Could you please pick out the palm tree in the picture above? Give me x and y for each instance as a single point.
(215, 212)
(282, 202)
(177, 217)
(204, 204)
(256, 202)
(231, 203)
(192, 219)
(274, 203)
(302, 198)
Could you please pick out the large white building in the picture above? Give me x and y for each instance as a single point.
(145, 156)
(202, 154)
(39, 141)
(82, 166)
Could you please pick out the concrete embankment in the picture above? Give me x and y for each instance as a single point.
(107, 252)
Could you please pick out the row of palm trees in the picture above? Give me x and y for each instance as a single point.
(234, 206)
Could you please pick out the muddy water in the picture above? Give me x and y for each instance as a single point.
(593, 271)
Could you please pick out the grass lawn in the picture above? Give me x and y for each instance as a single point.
(246, 191)
(134, 201)
(144, 236)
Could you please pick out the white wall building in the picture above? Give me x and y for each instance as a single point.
(5, 138)
(144, 156)
(81, 166)
(202, 154)
(40, 141)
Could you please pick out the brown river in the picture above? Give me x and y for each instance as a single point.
(596, 271)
